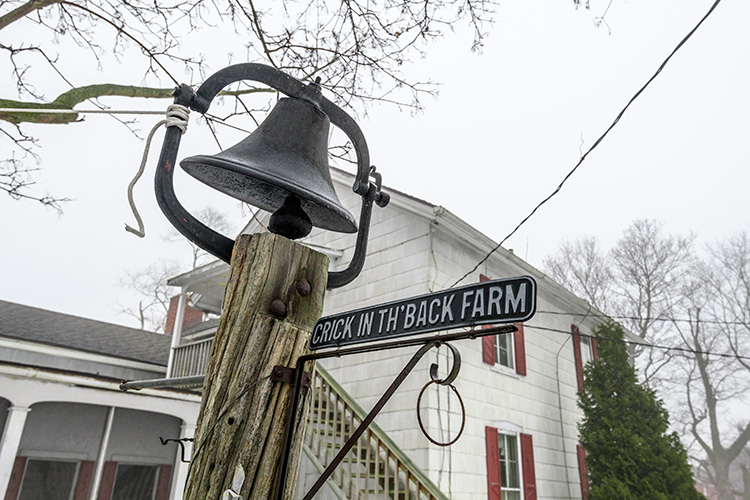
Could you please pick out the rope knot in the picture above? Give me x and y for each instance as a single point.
(177, 116)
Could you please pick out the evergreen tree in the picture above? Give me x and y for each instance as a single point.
(629, 453)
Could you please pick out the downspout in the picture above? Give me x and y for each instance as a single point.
(99, 470)
(559, 407)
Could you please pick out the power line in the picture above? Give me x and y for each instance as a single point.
(640, 318)
(596, 143)
(643, 344)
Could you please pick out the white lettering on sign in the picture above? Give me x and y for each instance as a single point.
(447, 312)
(466, 303)
(422, 314)
(515, 301)
(365, 325)
(496, 293)
(434, 319)
(497, 301)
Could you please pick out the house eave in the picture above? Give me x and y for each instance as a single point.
(66, 352)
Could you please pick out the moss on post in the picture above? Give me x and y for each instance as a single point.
(250, 341)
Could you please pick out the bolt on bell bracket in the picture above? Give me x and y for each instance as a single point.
(367, 184)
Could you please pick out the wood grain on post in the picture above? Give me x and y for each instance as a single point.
(249, 342)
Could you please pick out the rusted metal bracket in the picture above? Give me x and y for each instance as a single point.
(285, 374)
(427, 343)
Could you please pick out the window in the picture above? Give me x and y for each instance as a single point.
(510, 483)
(48, 479)
(504, 350)
(584, 351)
(587, 354)
(510, 464)
(135, 482)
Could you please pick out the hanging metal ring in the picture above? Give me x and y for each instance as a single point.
(448, 380)
(419, 414)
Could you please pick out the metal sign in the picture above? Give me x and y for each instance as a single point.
(498, 301)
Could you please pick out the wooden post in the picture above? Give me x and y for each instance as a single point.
(250, 341)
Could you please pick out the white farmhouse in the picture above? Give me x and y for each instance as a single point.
(68, 432)
(519, 390)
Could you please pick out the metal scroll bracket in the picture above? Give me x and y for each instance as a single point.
(426, 343)
(181, 442)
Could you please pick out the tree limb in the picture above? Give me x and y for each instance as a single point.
(67, 100)
(24, 10)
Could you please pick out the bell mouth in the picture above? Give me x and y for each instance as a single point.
(262, 189)
(290, 220)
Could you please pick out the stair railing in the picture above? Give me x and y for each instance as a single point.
(375, 468)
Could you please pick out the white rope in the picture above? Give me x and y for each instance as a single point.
(177, 116)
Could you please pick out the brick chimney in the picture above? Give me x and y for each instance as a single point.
(191, 318)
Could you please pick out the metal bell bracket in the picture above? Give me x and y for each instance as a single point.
(200, 100)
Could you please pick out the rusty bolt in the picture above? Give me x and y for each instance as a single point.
(278, 308)
(303, 288)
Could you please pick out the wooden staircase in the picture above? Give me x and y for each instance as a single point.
(375, 468)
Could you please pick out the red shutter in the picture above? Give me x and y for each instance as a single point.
(583, 472)
(527, 462)
(488, 342)
(83, 483)
(162, 486)
(108, 480)
(520, 348)
(595, 349)
(16, 475)
(577, 356)
(493, 464)
(488, 349)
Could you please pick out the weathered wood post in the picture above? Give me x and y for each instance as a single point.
(269, 313)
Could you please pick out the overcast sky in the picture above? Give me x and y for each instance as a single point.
(508, 125)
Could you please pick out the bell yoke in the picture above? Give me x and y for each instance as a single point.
(282, 167)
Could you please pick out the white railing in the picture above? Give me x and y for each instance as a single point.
(375, 468)
(192, 359)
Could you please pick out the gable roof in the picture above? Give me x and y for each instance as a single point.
(41, 326)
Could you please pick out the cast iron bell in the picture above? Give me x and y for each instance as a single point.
(282, 167)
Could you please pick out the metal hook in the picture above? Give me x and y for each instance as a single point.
(182, 446)
(454, 369)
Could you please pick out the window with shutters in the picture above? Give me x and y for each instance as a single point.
(510, 473)
(510, 463)
(584, 351)
(506, 350)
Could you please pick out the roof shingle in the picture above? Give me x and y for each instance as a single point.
(47, 327)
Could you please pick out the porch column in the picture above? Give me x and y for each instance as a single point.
(101, 457)
(11, 441)
(179, 471)
(176, 331)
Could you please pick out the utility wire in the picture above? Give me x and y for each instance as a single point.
(639, 318)
(643, 344)
(598, 141)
